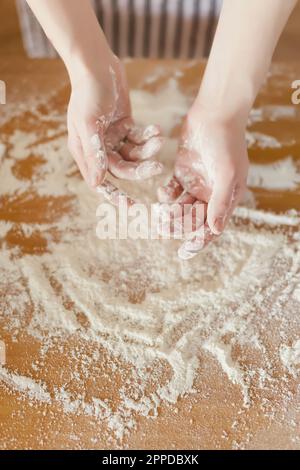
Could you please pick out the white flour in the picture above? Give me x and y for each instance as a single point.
(290, 357)
(167, 108)
(34, 390)
(273, 113)
(155, 320)
(268, 218)
(280, 175)
(262, 140)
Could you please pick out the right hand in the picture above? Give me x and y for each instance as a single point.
(102, 135)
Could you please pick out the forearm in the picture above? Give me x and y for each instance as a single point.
(247, 34)
(73, 29)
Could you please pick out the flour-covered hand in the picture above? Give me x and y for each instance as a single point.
(210, 171)
(102, 133)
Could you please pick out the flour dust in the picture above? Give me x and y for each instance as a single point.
(130, 312)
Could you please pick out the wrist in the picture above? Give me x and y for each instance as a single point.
(215, 117)
(89, 62)
(228, 100)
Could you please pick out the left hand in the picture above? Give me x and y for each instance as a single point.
(211, 172)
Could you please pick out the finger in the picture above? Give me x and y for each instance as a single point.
(94, 154)
(76, 151)
(120, 168)
(116, 133)
(193, 181)
(170, 192)
(221, 204)
(177, 208)
(113, 194)
(139, 135)
(168, 213)
(192, 219)
(146, 151)
(190, 248)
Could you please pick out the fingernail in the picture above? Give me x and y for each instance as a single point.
(219, 224)
(143, 134)
(106, 189)
(148, 150)
(147, 169)
(190, 249)
(110, 193)
(194, 245)
(185, 254)
(150, 131)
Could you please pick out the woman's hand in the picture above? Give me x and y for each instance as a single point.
(210, 173)
(212, 162)
(102, 134)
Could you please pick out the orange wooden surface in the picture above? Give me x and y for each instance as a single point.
(214, 405)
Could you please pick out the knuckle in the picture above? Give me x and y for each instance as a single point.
(222, 207)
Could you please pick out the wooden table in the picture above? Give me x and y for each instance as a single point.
(201, 420)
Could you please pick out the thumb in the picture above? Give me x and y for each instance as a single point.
(221, 204)
(95, 154)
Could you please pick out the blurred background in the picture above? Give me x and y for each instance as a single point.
(11, 40)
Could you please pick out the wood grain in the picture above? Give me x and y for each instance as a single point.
(201, 420)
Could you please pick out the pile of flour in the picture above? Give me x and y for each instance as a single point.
(153, 318)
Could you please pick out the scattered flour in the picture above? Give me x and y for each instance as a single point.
(281, 175)
(33, 390)
(5, 227)
(159, 72)
(290, 356)
(273, 113)
(262, 140)
(261, 217)
(168, 106)
(153, 319)
(223, 353)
